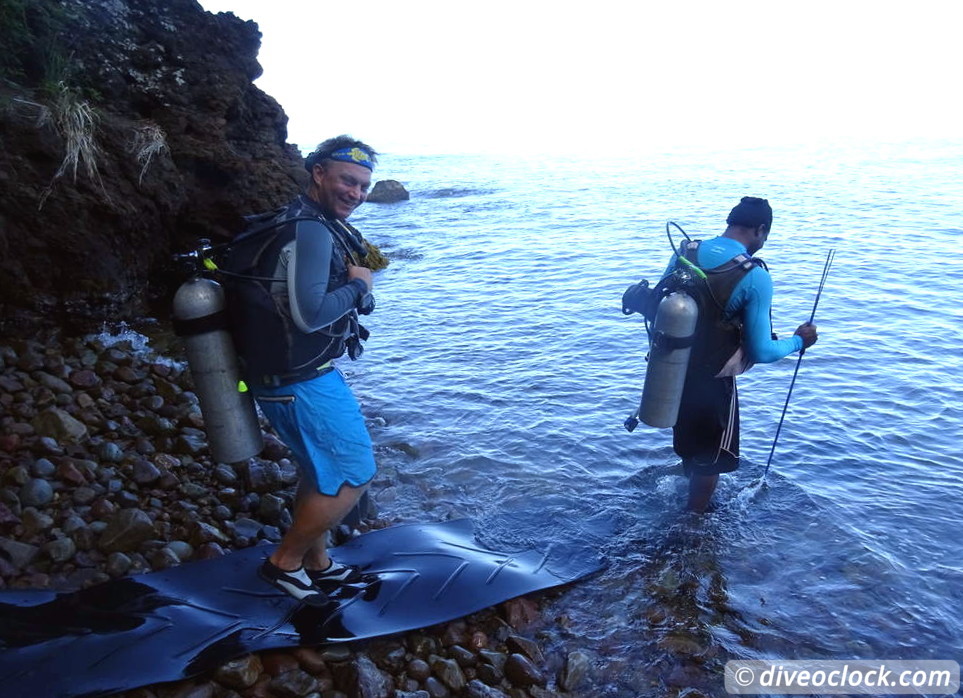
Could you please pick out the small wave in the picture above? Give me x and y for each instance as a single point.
(454, 192)
(403, 253)
(122, 334)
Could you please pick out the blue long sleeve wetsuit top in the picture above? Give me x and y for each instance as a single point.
(751, 300)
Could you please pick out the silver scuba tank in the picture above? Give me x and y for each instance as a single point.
(675, 324)
(230, 419)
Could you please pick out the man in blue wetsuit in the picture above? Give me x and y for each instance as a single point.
(734, 331)
(297, 314)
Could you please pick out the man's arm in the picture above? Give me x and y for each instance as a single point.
(312, 307)
(754, 295)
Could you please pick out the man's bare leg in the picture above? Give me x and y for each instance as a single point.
(305, 543)
(701, 488)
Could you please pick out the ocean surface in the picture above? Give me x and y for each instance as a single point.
(500, 370)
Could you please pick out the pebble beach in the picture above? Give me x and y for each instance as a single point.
(106, 473)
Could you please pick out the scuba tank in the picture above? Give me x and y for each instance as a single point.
(674, 314)
(200, 319)
(675, 324)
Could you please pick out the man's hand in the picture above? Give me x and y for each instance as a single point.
(362, 273)
(808, 333)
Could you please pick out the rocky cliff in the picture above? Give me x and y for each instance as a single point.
(128, 129)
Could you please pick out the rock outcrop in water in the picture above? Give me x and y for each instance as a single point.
(128, 129)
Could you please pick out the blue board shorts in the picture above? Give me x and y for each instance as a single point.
(321, 422)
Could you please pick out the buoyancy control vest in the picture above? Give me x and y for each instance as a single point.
(718, 335)
(271, 348)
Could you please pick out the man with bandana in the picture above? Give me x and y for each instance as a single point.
(734, 331)
(313, 286)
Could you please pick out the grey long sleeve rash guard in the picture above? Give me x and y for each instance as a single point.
(306, 263)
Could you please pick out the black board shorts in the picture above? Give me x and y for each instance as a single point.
(706, 435)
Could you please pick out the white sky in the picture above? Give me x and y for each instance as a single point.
(427, 76)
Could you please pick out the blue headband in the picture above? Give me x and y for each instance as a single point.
(353, 155)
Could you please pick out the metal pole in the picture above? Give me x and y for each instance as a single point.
(812, 315)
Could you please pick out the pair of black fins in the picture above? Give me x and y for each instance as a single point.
(174, 624)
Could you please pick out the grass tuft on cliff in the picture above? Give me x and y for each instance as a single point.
(149, 141)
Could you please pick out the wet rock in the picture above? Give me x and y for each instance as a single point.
(167, 461)
(479, 640)
(209, 551)
(263, 477)
(53, 383)
(110, 452)
(274, 448)
(68, 472)
(388, 655)
(163, 559)
(225, 475)
(422, 645)
(35, 521)
(293, 684)
(10, 385)
(72, 523)
(477, 689)
(36, 493)
(577, 666)
(43, 468)
(520, 613)
(336, 653)
(388, 191)
(455, 633)
(368, 681)
(249, 528)
(681, 643)
(496, 659)
(168, 481)
(7, 516)
(126, 530)
(418, 669)
(84, 379)
(59, 425)
(126, 374)
(191, 442)
(435, 688)
(144, 472)
(489, 674)
(102, 509)
(271, 533)
(126, 500)
(222, 513)
(448, 671)
(8, 442)
(271, 508)
(539, 692)
(523, 645)
(521, 672)
(192, 490)
(19, 554)
(239, 673)
(464, 657)
(17, 475)
(202, 532)
(311, 660)
(11, 501)
(48, 445)
(276, 663)
(118, 564)
(182, 549)
(83, 496)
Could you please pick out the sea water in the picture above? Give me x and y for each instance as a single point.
(500, 370)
